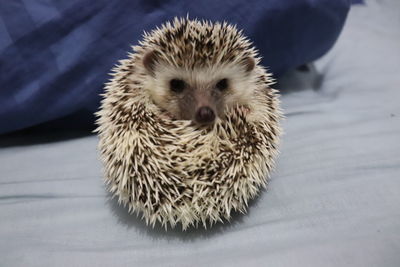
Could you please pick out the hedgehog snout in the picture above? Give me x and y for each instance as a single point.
(205, 115)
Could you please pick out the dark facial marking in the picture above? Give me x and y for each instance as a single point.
(177, 85)
(222, 85)
(186, 102)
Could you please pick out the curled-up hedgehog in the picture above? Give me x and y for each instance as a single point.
(189, 125)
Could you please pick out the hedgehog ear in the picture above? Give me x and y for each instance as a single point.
(149, 62)
(249, 64)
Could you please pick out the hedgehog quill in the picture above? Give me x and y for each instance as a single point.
(189, 125)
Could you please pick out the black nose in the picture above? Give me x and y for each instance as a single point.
(205, 115)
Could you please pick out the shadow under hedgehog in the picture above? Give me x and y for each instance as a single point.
(189, 125)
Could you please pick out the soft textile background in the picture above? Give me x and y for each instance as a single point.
(55, 55)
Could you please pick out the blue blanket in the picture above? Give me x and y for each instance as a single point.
(55, 55)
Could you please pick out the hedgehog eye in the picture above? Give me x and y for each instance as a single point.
(176, 85)
(222, 84)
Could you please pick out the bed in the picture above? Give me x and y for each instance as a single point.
(334, 199)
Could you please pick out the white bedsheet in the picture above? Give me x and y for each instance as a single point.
(333, 201)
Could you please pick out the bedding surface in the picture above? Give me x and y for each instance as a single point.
(332, 201)
(55, 56)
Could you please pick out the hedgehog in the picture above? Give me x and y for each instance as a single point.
(189, 125)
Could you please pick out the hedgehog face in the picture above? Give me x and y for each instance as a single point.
(200, 94)
(196, 70)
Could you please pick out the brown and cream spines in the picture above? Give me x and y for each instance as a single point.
(174, 171)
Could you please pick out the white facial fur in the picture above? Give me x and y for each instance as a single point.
(240, 90)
